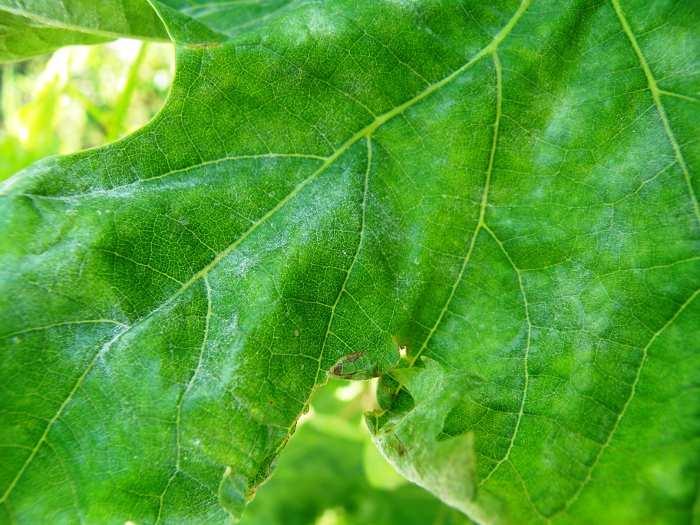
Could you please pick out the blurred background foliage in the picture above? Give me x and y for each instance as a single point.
(330, 472)
(79, 97)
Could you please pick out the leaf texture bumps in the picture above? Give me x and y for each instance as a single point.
(506, 189)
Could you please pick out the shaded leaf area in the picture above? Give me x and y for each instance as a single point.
(232, 18)
(505, 190)
(21, 37)
(34, 27)
(327, 476)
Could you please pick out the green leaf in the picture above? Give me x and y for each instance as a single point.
(506, 190)
(22, 37)
(109, 17)
(232, 18)
(34, 27)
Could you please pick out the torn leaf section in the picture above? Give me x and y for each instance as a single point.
(414, 443)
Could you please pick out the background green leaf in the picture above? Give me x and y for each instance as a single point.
(22, 37)
(34, 27)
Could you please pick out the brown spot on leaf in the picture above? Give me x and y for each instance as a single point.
(337, 369)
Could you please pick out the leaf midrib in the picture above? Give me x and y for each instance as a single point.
(656, 96)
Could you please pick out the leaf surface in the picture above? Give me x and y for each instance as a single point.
(505, 189)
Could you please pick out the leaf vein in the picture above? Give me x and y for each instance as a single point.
(526, 372)
(633, 390)
(656, 95)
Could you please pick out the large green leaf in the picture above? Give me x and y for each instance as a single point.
(507, 190)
